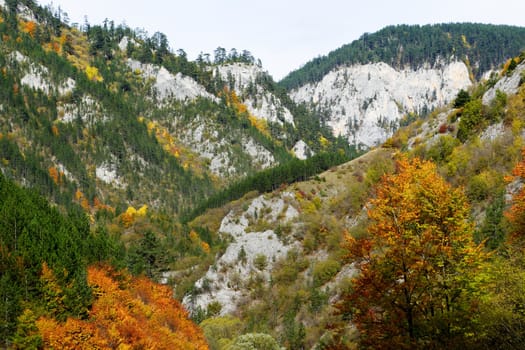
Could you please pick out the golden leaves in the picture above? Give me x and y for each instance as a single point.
(417, 257)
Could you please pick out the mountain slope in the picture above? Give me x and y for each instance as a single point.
(365, 103)
(365, 90)
(403, 46)
(284, 268)
(112, 118)
(112, 126)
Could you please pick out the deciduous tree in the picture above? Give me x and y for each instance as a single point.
(412, 290)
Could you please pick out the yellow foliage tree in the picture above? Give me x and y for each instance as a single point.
(142, 211)
(93, 74)
(29, 27)
(416, 264)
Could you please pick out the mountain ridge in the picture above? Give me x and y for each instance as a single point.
(415, 45)
(125, 137)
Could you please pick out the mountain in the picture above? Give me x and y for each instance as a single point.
(413, 46)
(366, 103)
(288, 268)
(109, 116)
(364, 90)
(108, 125)
(235, 193)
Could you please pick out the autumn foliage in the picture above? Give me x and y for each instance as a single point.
(516, 213)
(127, 313)
(232, 100)
(415, 263)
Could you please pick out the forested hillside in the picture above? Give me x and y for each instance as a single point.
(123, 164)
(484, 46)
(120, 135)
(416, 244)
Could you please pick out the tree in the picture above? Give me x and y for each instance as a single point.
(11, 15)
(472, 120)
(127, 313)
(462, 98)
(516, 213)
(415, 263)
(219, 55)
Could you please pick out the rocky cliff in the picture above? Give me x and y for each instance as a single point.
(365, 103)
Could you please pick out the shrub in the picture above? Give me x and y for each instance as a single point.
(462, 98)
(471, 120)
(324, 271)
(260, 262)
(442, 149)
(254, 341)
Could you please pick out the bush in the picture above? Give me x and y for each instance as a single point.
(462, 98)
(260, 262)
(482, 185)
(254, 341)
(324, 271)
(221, 330)
(442, 149)
(471, 120)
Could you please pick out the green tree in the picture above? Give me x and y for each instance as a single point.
(27, 336)
(461, 99)
(471, 119)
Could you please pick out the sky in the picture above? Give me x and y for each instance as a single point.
(283, 34)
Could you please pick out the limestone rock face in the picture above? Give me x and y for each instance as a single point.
(260, 102)
(508, 84)
(167, 85)
(364, 103)
(223, 282)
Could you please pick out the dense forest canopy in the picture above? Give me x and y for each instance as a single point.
(485, 46)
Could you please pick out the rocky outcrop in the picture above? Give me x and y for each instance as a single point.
(223, 283)
(260, 102)
(508, 84)
(364, 103)
(167, 85)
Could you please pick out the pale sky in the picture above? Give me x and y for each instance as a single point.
(284, 34)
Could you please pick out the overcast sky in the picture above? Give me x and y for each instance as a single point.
(284, 34)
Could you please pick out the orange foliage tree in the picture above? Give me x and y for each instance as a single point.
(54, 174)
(128, 313)
(415, 263)
(516, 213)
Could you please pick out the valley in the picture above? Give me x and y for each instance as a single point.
(371, 199)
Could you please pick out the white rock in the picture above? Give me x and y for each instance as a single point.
(365, 102)
(19, 57)
(204, 139)
(67, 87)
(35, 80)
(25, 13)
(36, 76)
(86, 109)
(508, 85)
(108, 174)
(259, 154)
(264, 104)
(167, 85)
(123, 44)
(221, 282)
(493, 132)
(301, 150)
